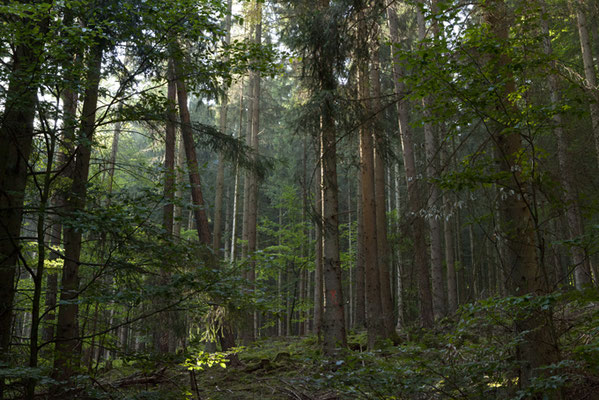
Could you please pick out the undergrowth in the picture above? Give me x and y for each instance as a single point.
(472, 355)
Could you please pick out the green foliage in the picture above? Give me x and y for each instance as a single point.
(203, 359)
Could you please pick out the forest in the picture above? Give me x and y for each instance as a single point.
(302, 199)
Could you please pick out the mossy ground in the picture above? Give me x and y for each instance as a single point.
(271, 369)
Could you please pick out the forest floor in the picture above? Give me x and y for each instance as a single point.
(294, 368)
(270, 369)
(473, 355)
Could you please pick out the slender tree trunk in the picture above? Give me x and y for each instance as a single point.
(227, 339)
(169, 153)
(280, 280)
(582, 274)
(374, 316)
(251, 180)
(383, 254)
(37, 277)
(68, 344)
(220, 175)
(360, 318)
(236, 184)
(414, 200)
(350, 240)
(199, 211)
(163, 331)
(70, 100)
(180, 179)
(305, 315)
(398, 257)
(452, 286)
(517, 223)
(589, 69)
(434, 223)
(333, 325)
(253, 189)
(110, 278)
(318, 273)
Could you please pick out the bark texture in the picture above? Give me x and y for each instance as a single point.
(334, 317)
(16, 135)
(199, 208)
(383, 254)
(220, 174)
(68, 344)
(409, 159)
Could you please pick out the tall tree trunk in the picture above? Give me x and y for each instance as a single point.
(360, 317)
(333, 325)
(409, 159)
(37, 277)
(68, 344)
(227, 339)
(253, 189)
(589, 69)
(197, 197)
(432, 166)
(16, 135)
(70, 100)
(374, 315)
(180, 179)
(582, 274)
(163, 329)
(349, 319)
(383, 255)
(452, 285)
(398, 257)
(517, 223)
(318, 273)
(169, 152)
(236, 184)
(220, 174)
(251, 179)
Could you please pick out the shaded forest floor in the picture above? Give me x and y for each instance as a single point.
(473, 355)
(272, 368)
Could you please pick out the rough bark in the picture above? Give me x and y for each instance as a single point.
(16, 135)
(374, 315)
(409, 159)
(452, 285)
(68, 345)
(434, 223)
(318, 274)
(197, 196)
(398, 258)
(236, 184)
(333, 325)
(360, 317)
(162, 332)
(251, 180)
(383, 254)
(220, 174)
(180, 179)
(169, 153)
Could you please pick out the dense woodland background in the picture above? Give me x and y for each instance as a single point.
(329, 199)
